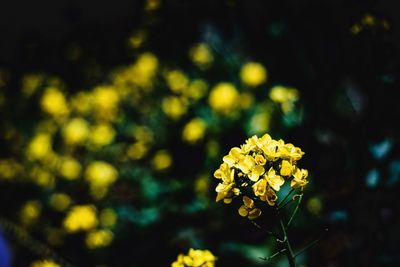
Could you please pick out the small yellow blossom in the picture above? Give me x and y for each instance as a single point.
(44, 263)
(194, 131)
(30, 83)
(9, 169)
(174, 107)
(108, 217)
(197, 89)
(69, 168)
(30, 212)
(81, 102)
(286, 96)
(76, 131)
(43, 177)
(201, 55)
(253, 74)
(286, 168)
(100, 176)
(137, 38)
(54, 102)
(162, 160)
(177, 81)
(102, 134)
(151, 5)
(99, 239)
(137, 150)
(40, 146)
(224, 98)
(248, 209)
(60, 201)
(80, 218)
(105, 102)
(300, 178)
(274, 180)
(195, 258)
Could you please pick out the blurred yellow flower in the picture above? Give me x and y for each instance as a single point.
(197, 89)
(201, 55)
(176, 81)
(30, 212)
(286, 96)
(54, 102)
(224, 98)
(101, 134)
(40, 146)
(300, 178)
(69, 168)
(162, 160)
(80, 218)
(100, 176)
(9, 169)
(81, 102)
(105, 102)
(137, 38)
(143, 134)
(44, 263)
(195, 258)
(174, 107)
(60, 201)
(246, 100)
(151, 5)
(108, 217)
(30, 83)
(253, 74)
(137, 150)
(99, 239)
(194, 131)
(76, 131)
(42, 177)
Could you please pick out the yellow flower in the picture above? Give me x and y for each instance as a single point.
(102, 134)
(9, 169)
(274, 180)
(40, 146)
(162, 160)
(105, 102)
(42, 177)
(290, 152)
(30, 83)
(195, 258)
(248, 209)
(299, 178)
(227, 189)
(174, 107)
(201, 55)
(80, 218)
(70, 168)
(260, 160)
(81, 102)
(253, 74)
(99, 239)
(197, 89)
(286, 168)
(108, 217)
(224, 98)
(286, 96)
(194, 131)
(44, 263)
(30, 212)
(177, 81)
(234, 156)
(100, 176)
(60, 201)
(53, 102)
(262, 190)
(137, 150)
(223, 172)
(76, 131)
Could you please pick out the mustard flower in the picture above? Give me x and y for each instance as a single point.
(195, 258)
(257, 170)
(253, 74)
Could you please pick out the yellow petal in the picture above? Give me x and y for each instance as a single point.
(255, 213)
(243, 211)
(248, 202)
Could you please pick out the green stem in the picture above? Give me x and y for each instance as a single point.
(289, 251)
(295, 210)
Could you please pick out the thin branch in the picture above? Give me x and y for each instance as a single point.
(295, 210)
(273, 255)
(261, 228)
(311, 244)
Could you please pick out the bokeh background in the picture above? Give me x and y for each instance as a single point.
(114, 117)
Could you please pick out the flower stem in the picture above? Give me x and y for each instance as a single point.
(289, 251)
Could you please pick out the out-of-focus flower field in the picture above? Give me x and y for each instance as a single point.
(108, 146)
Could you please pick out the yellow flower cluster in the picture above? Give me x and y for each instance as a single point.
(195, 258)
(260, 166)
(44, 263)
(81, 218)
(369, 22)
(285, 96)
